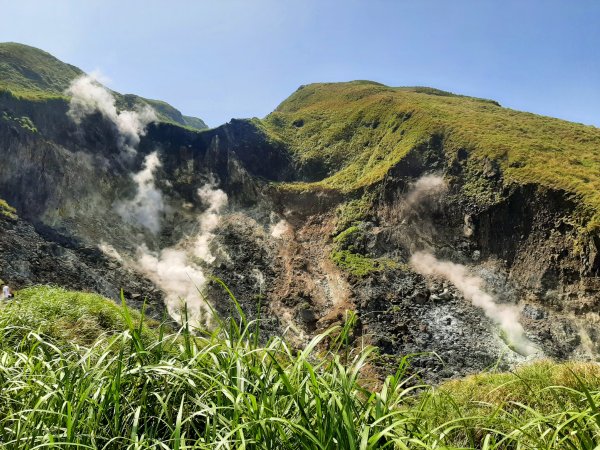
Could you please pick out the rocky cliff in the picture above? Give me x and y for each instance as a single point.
(320, 208)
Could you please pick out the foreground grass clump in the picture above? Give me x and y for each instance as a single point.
(218, 390)
(226, 390)
(543, 405)
(68, 317)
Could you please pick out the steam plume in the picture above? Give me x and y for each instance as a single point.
(109, 250)
(505, 316)
(426, 188)
(280, 229)
(216, 200)
(174, 269)
(414, 212)
(89, 96)
(146, 207)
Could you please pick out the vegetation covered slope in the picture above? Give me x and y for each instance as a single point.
(34, 74)
(67, 317)
(349, 135)
(28, 71)
(131, 385)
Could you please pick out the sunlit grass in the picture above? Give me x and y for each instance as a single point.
(141, 386)
(217, 390)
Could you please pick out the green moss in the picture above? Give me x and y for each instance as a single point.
(26, 123)
(481, 191)
(352, 212)
(345, 235)
(359, 265)
(23, 122)
(347, 254)
(6, 210)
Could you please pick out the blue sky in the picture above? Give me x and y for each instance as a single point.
(218, 59)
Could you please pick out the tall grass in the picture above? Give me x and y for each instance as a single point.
(159, 389)
(217, 390)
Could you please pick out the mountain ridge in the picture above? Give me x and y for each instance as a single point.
(352, 134)
(32, 73)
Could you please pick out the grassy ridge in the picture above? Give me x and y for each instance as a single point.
(29, 72)
(350, 135)
(32, 74)
(68, 317)
(134, 388)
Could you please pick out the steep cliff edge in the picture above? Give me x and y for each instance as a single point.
(321, 216)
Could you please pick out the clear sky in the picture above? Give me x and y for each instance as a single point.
(218, 59)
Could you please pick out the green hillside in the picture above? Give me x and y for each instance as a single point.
(194, 122)
(352, 134)
(28, 71)
(31, 73)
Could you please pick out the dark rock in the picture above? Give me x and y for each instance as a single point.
(534, 313)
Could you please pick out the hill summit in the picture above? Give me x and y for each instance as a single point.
(351, 135)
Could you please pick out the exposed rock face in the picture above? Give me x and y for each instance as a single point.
(27, 258)
(274, 245)
(65, 181)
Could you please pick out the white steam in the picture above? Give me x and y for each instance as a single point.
(109, 250)
(414, 211)
(172, 270)
(425, 189)
(89, 96)
(280, 229)
(216, 200)
(175, 270)
(147, 206)
(505, 316)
